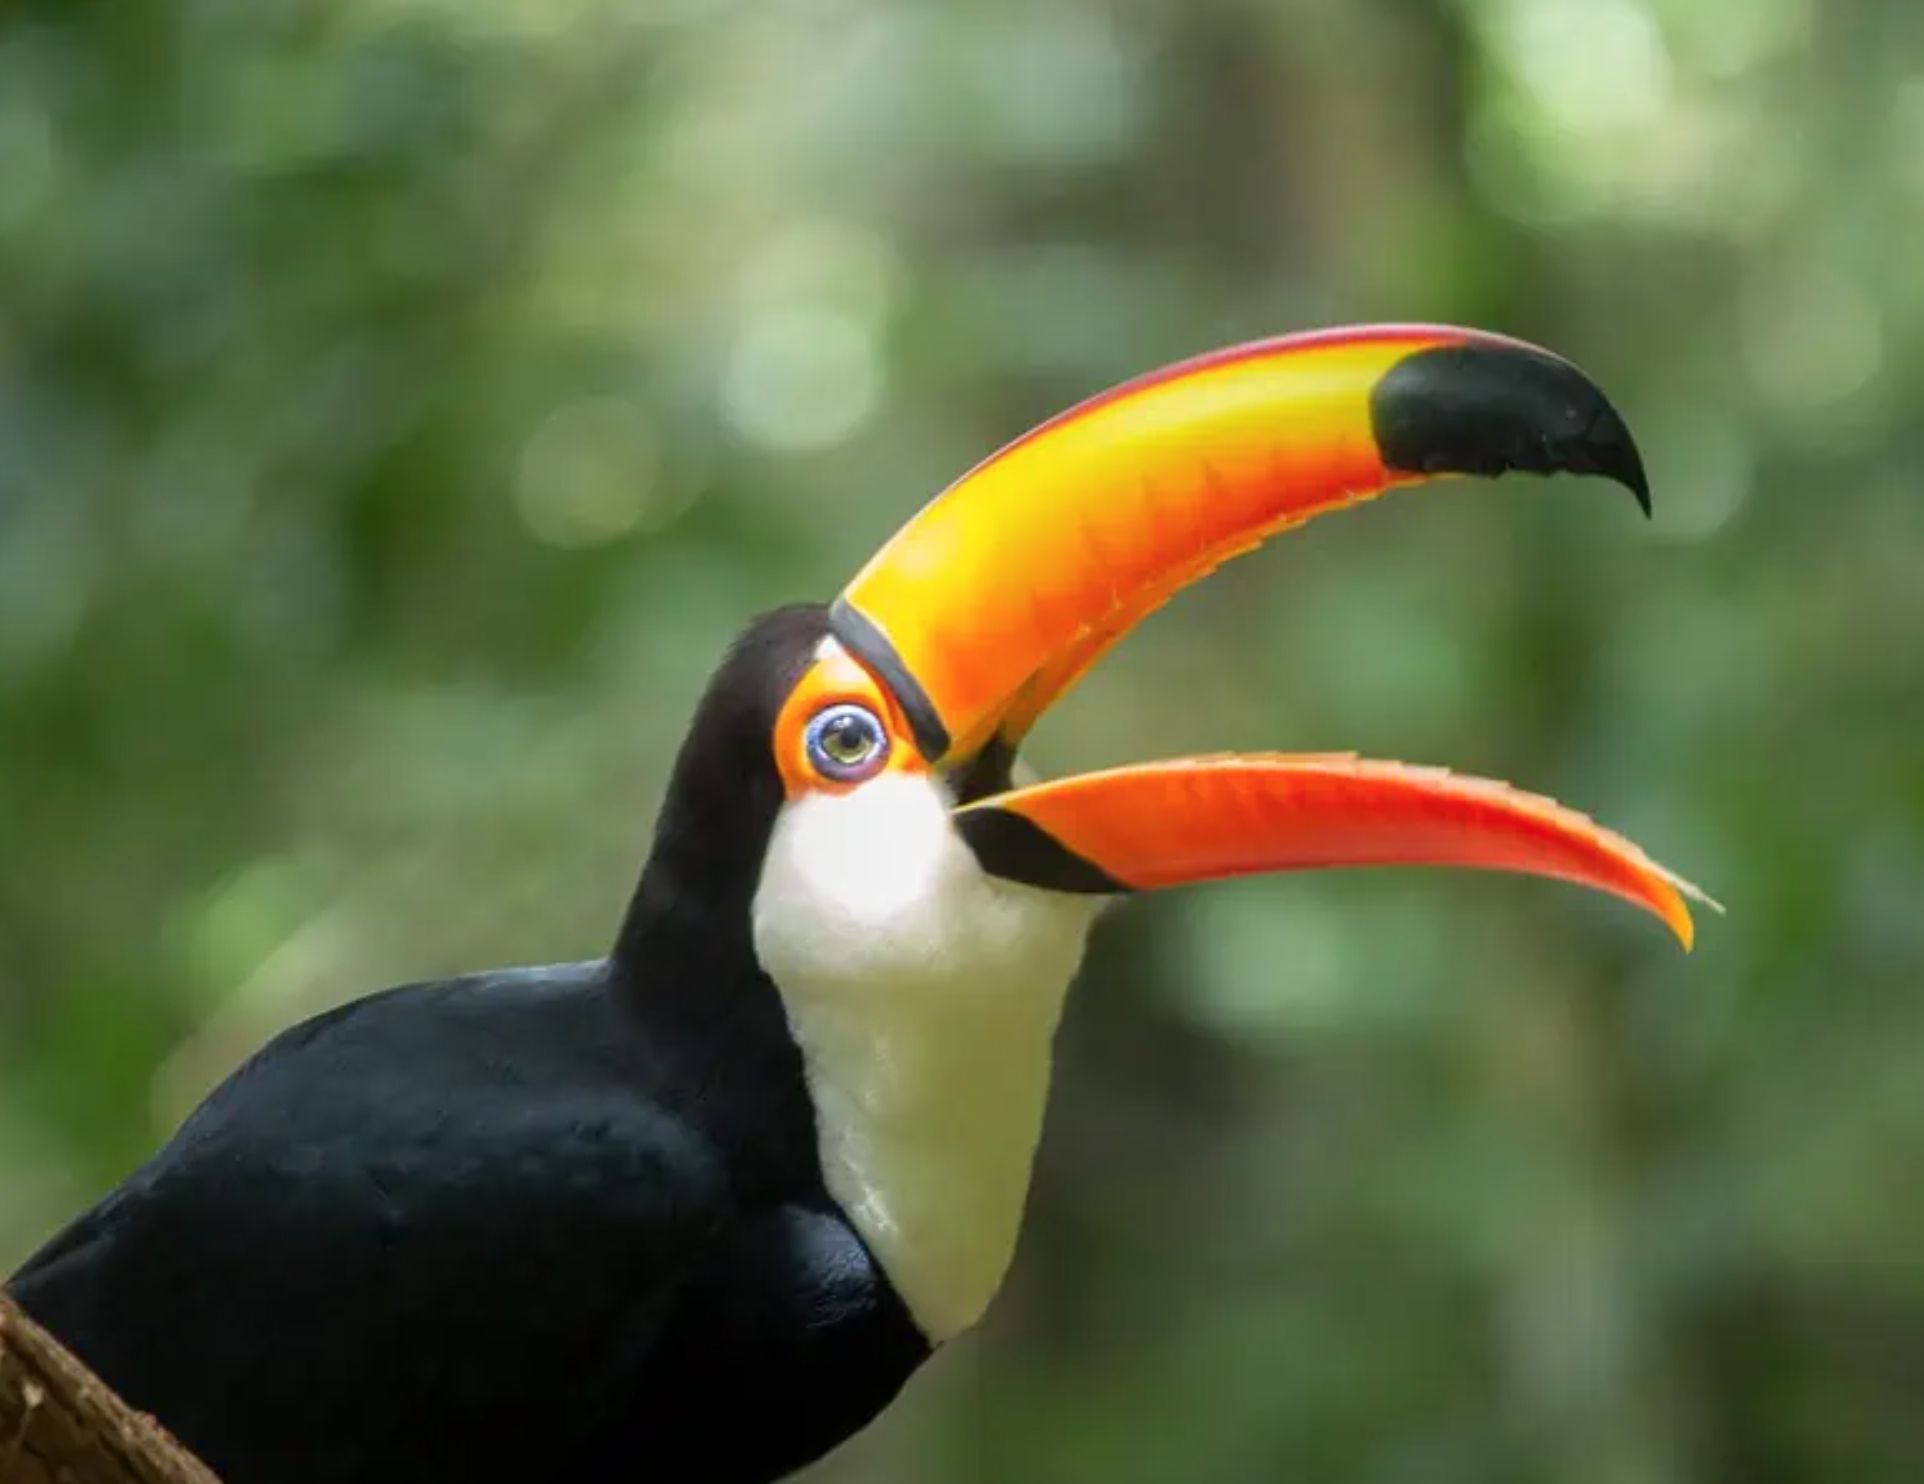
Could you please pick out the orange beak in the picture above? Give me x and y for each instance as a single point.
(989, 604)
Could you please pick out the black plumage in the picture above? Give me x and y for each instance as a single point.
(563, 1223)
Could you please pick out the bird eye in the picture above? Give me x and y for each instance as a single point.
(847, 742)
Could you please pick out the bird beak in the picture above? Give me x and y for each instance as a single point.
(993, 599)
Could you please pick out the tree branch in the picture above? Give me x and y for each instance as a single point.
(60, 1424)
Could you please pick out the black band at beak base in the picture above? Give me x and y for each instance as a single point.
(870, 645)
(1016, 848)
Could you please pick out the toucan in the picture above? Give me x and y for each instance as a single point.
(695, 1211)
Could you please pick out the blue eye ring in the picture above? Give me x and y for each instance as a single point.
(846, 742)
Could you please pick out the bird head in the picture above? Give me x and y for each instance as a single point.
(986, 607)
(922, 909)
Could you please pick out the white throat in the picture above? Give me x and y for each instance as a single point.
(925, 996)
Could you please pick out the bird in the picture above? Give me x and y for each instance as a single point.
(696, 1211)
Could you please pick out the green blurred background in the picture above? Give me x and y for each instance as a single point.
(403, 401)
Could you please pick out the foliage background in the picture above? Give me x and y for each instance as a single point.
(402, 401)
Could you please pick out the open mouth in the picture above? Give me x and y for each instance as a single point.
(989, 604)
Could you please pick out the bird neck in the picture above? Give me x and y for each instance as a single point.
(925, 997)
(928, 1121)
(717, 1041)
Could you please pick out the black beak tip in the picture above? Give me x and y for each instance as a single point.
(1491, 409)
(1629, 473)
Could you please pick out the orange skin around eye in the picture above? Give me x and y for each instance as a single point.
(837, 679)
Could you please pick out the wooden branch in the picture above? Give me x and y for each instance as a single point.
(60, 1424)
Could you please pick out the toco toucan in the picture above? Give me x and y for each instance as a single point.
(694, 1212)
